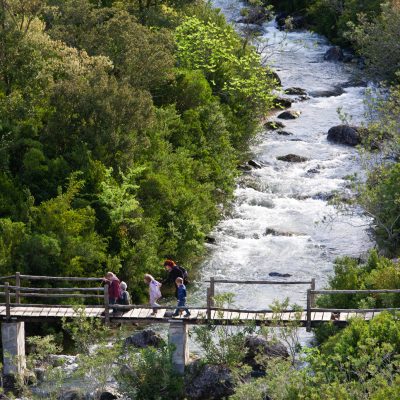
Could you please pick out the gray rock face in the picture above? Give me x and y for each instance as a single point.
(144, 338)
(209, 382)
(292, 158)
(335, 53)
(291, 114)
(345, 134)
(259, 345)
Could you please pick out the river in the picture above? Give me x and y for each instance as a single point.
(291, 198)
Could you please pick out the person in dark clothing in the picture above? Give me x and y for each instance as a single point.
(174, 272)
(181, 299)
(114, 290)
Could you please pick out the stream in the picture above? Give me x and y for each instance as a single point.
(291, 198)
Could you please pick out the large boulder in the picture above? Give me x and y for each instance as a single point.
(254, 15)
(345, 134)
(296, 91)
(72, 394)
(333, 92)
(144, 338)
(335, 53)
(282, 102)
(292, 158)
(255, 164)
(290, 22)
(208, 382)
(274, 125)
(290, 114)
(259, 346)
(109, 394)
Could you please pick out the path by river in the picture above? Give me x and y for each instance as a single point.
(291, 197)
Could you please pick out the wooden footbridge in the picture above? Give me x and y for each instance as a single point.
(16, 306)
(18, 309)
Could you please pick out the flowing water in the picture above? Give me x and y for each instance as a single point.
(290, 198)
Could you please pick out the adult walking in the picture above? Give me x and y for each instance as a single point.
(114, 290)
(174, 272)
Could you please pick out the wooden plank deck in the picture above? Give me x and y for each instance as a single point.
(197, 315)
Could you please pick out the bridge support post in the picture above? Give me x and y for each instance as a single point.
(178, 338)
(13, 340)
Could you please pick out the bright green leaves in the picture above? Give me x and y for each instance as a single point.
(235, 73)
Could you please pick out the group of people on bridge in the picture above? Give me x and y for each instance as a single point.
(118, 294)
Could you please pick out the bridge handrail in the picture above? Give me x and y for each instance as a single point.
(74, 289)
(51, 278)
(351, 291)
(262, 282)
(353, 310)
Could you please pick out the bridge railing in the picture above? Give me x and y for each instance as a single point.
(312, 293)
(213, 282)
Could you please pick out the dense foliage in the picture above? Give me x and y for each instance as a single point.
(118, 142)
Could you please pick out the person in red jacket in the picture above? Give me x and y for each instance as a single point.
(114, 291)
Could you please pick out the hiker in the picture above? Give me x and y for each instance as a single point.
(174, 271)
(154, 292)
(124, 298)
(181, 299)
(113, 288)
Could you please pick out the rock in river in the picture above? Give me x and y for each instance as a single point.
(335, 53)
(292, 158)
(345, 134)
(289, 114)
(273, 125)
(144, 338)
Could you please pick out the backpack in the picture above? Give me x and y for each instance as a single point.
(185, 274)
(124, 299)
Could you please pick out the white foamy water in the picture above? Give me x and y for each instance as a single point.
(290, 198)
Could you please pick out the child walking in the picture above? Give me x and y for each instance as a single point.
(181, 299)
(154, 292)
(125, 298)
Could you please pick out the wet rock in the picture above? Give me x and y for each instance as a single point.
(291, 114)
(296, 91)
(72, 394)
(254, 15)
(335, 53)
(313, 171)
(274, 232)
(273, 125)
(254, 164)
(273, 75)
(244, 167)
(208, 382)
(279, 275)
(336, 91)
(323, 196)
(210, 240)
(282, 102)
(257, 346)
(284, 133)
(344, 134)
(144, 338)
(292, 158)
(109, 394)
(290, 22)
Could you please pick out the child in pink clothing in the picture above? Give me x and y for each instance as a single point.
(154, 291)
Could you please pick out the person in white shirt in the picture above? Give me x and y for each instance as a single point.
(154, 292)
